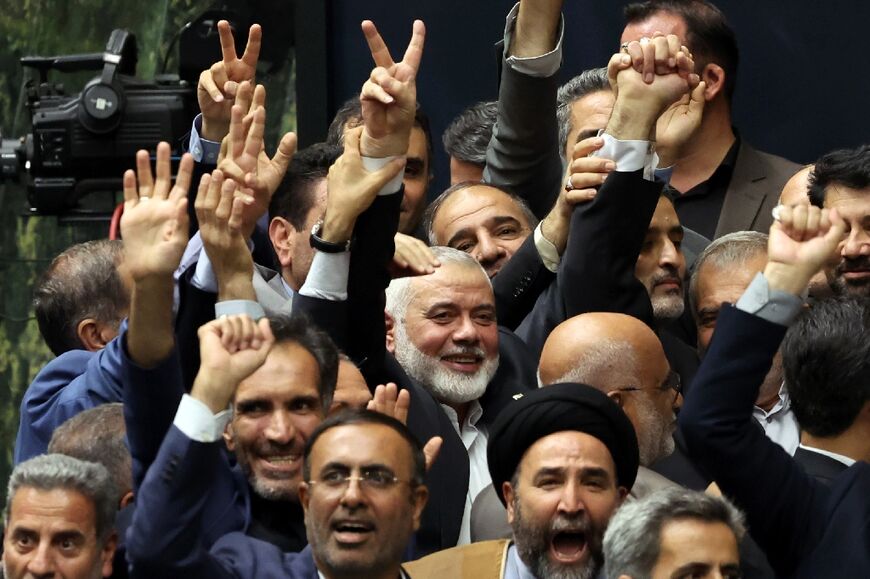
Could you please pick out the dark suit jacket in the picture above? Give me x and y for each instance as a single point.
(807, 528)
(523, 153)
(179, 497)
(822, 468)
(753, 191)
(358, 328)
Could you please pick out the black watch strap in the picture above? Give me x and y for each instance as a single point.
(326, 246)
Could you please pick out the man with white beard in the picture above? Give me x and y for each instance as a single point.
(442, 330)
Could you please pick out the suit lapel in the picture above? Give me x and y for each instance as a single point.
(745, 194)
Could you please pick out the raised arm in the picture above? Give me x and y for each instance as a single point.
(523, 154)
(779, 498)
(185, 485)
(154, 230)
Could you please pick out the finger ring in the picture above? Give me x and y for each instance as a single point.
(775, 212)
(569, 186)
(144, 198)
(623, 47)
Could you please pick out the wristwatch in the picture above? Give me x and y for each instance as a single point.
(326, 246)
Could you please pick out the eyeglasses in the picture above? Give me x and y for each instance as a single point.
(672, 382)
(373, 479)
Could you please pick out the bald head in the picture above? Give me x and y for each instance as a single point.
(603, 349)
(796, 189)
(622, 357)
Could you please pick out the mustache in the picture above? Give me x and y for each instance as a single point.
(860, 263)
(465, 351)
(670, 274)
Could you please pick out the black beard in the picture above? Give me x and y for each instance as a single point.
(533, 546)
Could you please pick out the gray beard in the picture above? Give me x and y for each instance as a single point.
(446, 386)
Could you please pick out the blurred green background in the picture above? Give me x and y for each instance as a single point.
(28, 243)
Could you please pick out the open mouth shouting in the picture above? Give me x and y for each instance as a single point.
(568, 546)
(350, 532)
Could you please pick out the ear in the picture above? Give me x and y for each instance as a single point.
(108, 554)
(508, 491)
(713, 76)
(304, 495)
(419, 499)
(228, 437)
(617, 397)
(390, 324)
(622, 493)
(280, 232)
(94, 335)
(126, 500)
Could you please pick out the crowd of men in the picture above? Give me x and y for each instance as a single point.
(624, 343)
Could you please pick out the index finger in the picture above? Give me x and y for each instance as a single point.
(252, 50)
(414, 52)
(228, 43)
(380, 52)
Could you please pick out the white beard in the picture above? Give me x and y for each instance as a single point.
(446, 386)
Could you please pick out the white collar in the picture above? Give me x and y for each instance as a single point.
(838, 457)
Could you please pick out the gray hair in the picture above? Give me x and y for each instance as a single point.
(432, 208)
(399, 292)
(585, 83)
(97, 435)
(728, 251)
(48, 472)
(633, 539)
(606, 356)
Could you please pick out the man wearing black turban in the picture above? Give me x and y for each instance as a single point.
(562, 459)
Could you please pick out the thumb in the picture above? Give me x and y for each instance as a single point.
(696, 99)
(431, 451)
(285, 152)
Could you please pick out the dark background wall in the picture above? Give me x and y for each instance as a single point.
(801, 88)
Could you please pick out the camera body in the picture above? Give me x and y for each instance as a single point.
(83, 143)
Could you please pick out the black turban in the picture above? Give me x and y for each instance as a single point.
(553, 409)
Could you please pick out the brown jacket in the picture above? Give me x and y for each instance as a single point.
(484, 560)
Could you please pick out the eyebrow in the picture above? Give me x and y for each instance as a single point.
(489, 223)
(710, 310)
(335, 465)
(415, 163)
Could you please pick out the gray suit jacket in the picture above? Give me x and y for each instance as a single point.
(754, 190)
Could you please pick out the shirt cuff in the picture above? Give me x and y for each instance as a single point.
(774, 306)
(197, 422)
(327, 278)
(630, 156)
(237, 307)
(536, 66)
(202, 150)
(372, 164)
(548, 252)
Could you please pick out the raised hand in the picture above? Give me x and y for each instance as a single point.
(244, 159)
(220, 213)
(154, 223)
(352, 188)
(585, 173)
(389, 400)
(389, 97)
(802, 239)
(231, 349)
(218, 85)
(412, 257)
(677, 124)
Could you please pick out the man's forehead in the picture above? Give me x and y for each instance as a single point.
(661, 21)
(280, 373)
(473, 201)
(65, 508)
(362, 444)
(567, 449)
(838, 196)
(450, 280)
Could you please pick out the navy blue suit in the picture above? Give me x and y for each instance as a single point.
(807, 528)
(73, 382)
